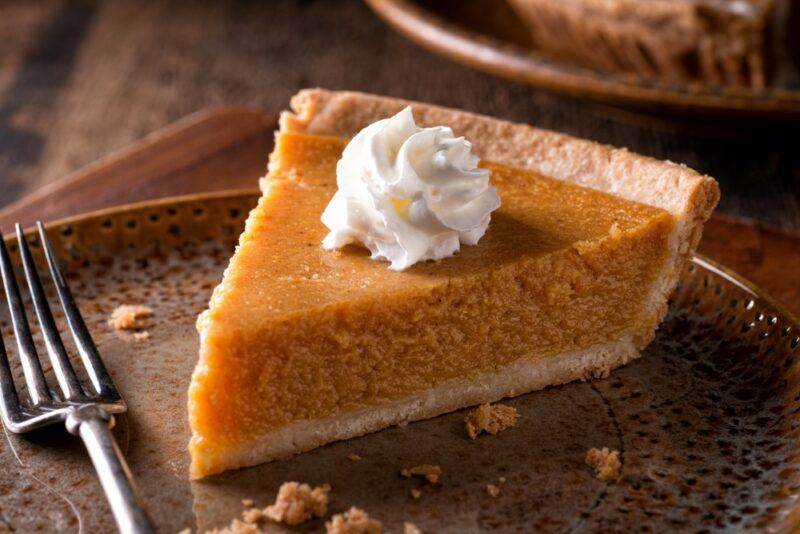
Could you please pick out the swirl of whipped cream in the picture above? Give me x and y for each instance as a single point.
(409, 194)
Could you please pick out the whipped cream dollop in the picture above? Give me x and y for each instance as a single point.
(409, 194)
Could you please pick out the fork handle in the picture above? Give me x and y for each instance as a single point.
(93, 425)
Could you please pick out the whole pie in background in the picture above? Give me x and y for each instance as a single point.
(731, 43)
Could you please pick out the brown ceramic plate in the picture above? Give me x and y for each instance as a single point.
(707, 421)
(486, 35)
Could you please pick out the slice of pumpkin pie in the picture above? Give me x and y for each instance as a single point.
(393, 277)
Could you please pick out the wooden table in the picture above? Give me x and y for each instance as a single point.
(79, 80)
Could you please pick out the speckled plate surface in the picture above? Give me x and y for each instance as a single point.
(487, 35)
(707, 421)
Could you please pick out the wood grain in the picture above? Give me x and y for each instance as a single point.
(228, 148)
(80, 79)
(208, 151)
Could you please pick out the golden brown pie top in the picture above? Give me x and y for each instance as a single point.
(538, 216)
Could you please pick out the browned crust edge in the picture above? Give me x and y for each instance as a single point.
(687, 194)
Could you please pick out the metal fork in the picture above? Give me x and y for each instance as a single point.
(86, 412)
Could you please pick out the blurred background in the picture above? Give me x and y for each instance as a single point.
(80, 79)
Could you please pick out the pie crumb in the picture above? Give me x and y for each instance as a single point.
(492, 490)
(353, 456)
(187, 530)
(236, 527)
(141, 336)
(430, 472)
(253, 515)
(297, 503)
(416, 493)
(490, 418)
(410, 528)
(130, 317)
(353, 521)
(606, 463)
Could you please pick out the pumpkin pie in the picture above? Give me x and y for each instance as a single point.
(301, 346)
(716, 42)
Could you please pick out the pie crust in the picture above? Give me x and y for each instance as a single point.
(687, 196)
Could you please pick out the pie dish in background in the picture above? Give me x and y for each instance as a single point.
(301, 346)
(491, 36)
(733, 43)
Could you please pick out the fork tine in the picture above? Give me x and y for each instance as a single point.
(62, 367)
(10, 402)
(31, 368)
(83, 340)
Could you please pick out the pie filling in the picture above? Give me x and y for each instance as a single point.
(297, 333)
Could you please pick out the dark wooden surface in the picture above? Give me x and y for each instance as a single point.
(81, 78)
(210, 150)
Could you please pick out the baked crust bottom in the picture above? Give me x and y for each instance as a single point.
(519, 378)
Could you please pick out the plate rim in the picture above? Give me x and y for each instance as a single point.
(139, 204)
(698, 259)
(765, 300)
(522, 65)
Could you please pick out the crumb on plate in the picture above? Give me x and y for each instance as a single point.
(353, 456)
(410, 528)
(236, 527)
(353, 521)
(253, 515)
(297, 503)
(416, 493)
(248, 502)
(490, 418)
(493, 490)
(130, 317)
(430, 472)
(606, 463)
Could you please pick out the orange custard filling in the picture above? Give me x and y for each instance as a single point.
(297, 333)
